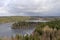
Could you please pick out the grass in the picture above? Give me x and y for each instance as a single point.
(13, 19)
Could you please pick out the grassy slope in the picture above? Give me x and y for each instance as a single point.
(13, 19)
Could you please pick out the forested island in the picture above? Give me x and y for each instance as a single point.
(20, 25)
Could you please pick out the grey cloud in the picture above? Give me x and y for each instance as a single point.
(28, 7)
(1, 3)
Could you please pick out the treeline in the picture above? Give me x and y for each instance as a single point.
(19, 25)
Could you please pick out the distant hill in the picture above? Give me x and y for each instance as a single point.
(13, 19)
(6, 19)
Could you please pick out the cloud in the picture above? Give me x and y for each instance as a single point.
(4, 12)
(30, 7)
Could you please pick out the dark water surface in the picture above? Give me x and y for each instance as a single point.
(5, 30)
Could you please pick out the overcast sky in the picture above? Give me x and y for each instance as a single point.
(29, 7)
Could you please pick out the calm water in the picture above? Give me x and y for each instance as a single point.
(5, 30)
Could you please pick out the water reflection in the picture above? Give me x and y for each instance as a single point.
(5, 30)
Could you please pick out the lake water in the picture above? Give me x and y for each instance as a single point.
(5, 30)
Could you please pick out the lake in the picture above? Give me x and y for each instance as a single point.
(5, 30)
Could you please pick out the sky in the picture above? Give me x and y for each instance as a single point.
(29, 7)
